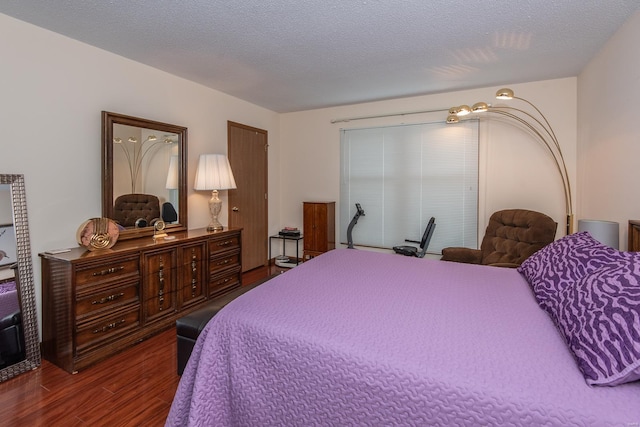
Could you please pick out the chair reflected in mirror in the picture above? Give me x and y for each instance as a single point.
(169, 213)
(136, 210)
(424, 243)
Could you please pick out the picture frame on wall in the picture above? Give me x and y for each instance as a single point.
(7, 245)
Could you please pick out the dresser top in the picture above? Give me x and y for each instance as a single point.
(142, 243)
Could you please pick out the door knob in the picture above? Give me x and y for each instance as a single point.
(235, 209)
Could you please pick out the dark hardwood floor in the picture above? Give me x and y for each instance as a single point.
(133, 388)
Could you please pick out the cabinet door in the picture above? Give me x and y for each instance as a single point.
(310, 227)
(192, 274)
(319, 226)
(159, 285)
(634, 236)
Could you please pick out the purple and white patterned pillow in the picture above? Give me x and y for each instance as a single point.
(562, 263)
(599, 317)
(592, 293)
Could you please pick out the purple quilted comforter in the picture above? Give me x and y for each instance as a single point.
(360, 338)
(8, 299)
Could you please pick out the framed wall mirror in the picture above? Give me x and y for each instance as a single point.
(19, 340)
(144, 174)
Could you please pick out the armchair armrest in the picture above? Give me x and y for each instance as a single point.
(466, 255)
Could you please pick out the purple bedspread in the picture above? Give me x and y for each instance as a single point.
(8, 299)
(354, 337)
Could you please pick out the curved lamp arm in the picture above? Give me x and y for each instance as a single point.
(557, 157)
(539, 126)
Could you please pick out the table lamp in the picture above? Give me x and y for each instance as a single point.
(214, 173)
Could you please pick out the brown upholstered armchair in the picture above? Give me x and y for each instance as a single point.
(136, 210)
(511, 237)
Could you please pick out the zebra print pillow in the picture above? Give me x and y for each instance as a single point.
(562, 263)
(592, 293)
(599, 318)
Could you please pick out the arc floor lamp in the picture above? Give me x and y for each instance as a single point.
(536, 123)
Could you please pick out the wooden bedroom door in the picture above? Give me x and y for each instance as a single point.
(247, 148)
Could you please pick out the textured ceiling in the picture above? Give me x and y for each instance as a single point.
(288, 55)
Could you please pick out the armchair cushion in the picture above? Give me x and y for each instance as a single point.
(130, 208)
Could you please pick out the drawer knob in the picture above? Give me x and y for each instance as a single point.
(108, 299)
(109, 326)
(108, 271)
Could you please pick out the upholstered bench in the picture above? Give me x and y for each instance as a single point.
(189, 327)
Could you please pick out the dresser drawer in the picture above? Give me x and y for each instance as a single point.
(225, 282)
(193, 282)
(159, 307)
(90, 334)
(224, 243)
(224, 261)
(116, 269)
(106, 299)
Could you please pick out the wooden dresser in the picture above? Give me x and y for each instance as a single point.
(634, 235)
(95, 304)
(319, 224)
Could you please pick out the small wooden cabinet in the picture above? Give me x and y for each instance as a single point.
(95, 304)
(319, 224)
(634, 235)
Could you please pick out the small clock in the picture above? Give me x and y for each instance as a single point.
(158, 229)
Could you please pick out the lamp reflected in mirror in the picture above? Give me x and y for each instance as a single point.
(169, 214)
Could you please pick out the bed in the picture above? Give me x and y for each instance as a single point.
(8, 299)
(11, 341)
(355, 337)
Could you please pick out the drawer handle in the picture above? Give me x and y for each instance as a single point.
(108, 327)
(225, 243)
(108, 271)
(108, 299)
(224, 262)
(222, 282)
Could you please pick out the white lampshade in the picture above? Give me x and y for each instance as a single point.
(214, 173)
(172, 174)
(606, 232)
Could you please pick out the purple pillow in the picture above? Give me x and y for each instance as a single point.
(599, 317)
(562, 263)
(592, 293)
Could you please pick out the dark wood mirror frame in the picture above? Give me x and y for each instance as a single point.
(24, 280)
(108, 120)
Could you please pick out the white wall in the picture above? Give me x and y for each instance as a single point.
(609, 131)
(53, 91)
(515, 170)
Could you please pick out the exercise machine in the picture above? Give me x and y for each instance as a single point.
(354, 221)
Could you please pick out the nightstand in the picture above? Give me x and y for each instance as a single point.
(284, 245)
